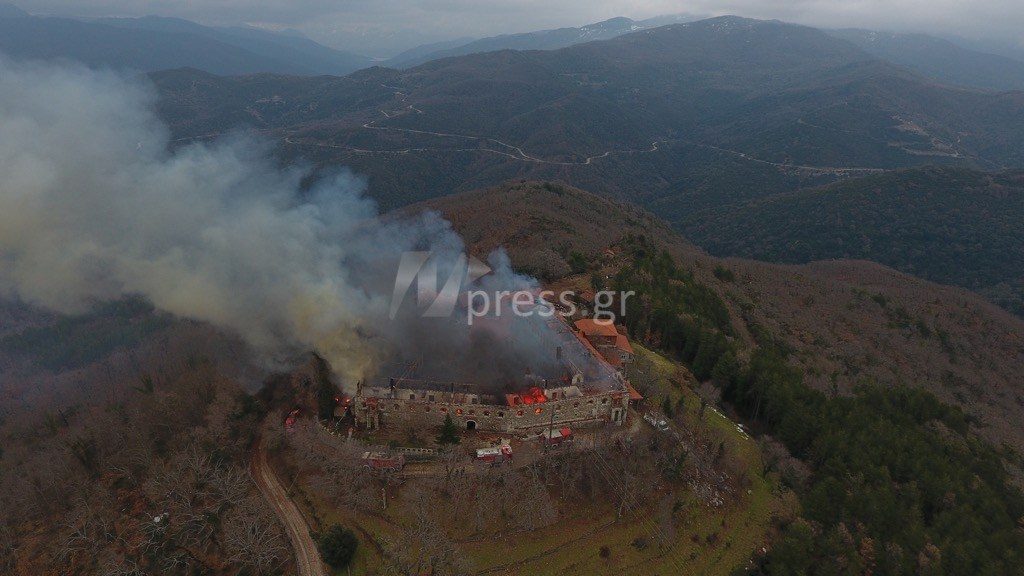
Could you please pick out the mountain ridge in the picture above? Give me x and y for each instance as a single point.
(786, 104)
(693, 121)
(536, 40)
(154, 43)
(943, 60)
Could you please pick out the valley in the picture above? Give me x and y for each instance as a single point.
(699, 157)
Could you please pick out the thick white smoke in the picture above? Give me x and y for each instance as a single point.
(94, 207)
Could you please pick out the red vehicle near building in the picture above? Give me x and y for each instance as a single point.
(555, 436)
(494, 454)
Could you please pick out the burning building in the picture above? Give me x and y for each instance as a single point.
(578, 382)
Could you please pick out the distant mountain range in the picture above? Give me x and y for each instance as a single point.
(695, 121)
(423, 52)
(955, 63)
(541, 40)
(1000, 47)
(772, 97)
(940, 59)
(12, 11)
(154, 43)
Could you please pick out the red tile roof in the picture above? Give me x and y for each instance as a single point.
(591, 327)
(612, 359)
(622, 343)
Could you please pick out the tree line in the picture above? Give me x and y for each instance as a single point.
(900, 484)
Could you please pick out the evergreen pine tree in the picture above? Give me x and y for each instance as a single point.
(449, 431)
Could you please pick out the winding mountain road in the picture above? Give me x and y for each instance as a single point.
(490, 145)
(307, 557)
(518, 154)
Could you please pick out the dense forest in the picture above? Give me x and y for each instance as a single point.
(672, 310)
(75, 341)
(900, 484)
(949, 225)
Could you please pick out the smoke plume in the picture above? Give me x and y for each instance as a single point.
(95, 207)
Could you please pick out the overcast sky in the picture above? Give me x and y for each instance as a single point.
(386, 25)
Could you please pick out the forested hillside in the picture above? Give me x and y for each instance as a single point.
(843, 323)
(153, 43)
(124, 448)
(902, 483)
(679, 119)
(940, 59)
(953, 226)
(727, 128)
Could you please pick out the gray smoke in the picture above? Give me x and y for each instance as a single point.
(94, 207)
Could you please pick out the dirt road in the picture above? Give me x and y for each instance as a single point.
(307, 557)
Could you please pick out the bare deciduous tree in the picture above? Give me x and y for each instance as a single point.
(427, 548)
(776, 458)
(8, 549)
(253, 539)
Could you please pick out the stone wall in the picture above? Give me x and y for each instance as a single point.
(420, 412)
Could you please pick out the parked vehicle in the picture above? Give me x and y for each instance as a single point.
(555, 437)
(494, 454)
(383, 462)
(658, 424)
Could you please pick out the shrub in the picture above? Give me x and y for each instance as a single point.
(724, 274)
(577, 263)
(338, 546)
